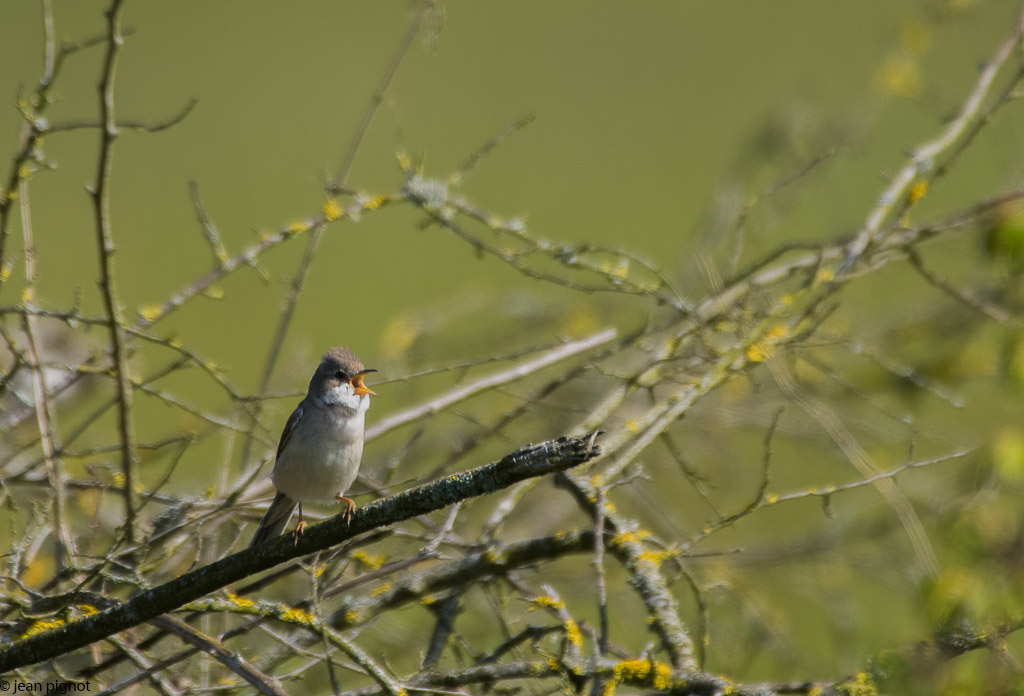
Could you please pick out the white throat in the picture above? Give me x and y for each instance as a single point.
(344, 395)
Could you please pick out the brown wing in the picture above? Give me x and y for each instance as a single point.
(289, 428)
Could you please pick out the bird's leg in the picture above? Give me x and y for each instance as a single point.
(300, 527)
(350, 506)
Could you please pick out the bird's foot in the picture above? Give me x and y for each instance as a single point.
(300, 529)
(350, 506)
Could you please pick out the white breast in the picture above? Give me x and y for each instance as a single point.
(321, 458)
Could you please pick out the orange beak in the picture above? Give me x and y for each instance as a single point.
(361, 388)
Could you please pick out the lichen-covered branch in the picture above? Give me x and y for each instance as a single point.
(527, 462)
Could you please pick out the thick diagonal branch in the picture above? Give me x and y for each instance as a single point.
(526, 462)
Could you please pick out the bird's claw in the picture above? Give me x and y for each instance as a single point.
(350, 507)
(300, 529)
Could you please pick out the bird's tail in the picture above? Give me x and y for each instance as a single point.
(274, 522)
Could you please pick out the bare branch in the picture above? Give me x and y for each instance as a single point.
(925, 156)
(100, 193)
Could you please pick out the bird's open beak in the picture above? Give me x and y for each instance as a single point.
(361, 388)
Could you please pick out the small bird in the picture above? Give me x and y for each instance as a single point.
(322, 443)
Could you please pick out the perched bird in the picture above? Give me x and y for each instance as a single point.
(322, 443)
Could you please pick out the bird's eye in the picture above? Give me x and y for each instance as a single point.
(339, 375)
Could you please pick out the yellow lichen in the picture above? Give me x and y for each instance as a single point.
(917, 192)
(860, 685)
(150, 312)
(653, 557)
(642, 673)
(41, 626)
(662, 676)
(759, 351)
(573, 634)
(332, 211)
(297, 616)
(368, 561)
(297, 227)
(630, 537)
(546, 601)
(824, 275)
(374, 202)
(240, 602)
(777, 332)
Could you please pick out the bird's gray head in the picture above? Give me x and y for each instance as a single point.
(339, 380)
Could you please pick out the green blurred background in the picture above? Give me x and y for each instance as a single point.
(645, 113)
(654, 122)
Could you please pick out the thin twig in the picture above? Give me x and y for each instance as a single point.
(461, 393)
(46, 415)
(100, 193)
(230, 659)
(338, 182)
(997, 314)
